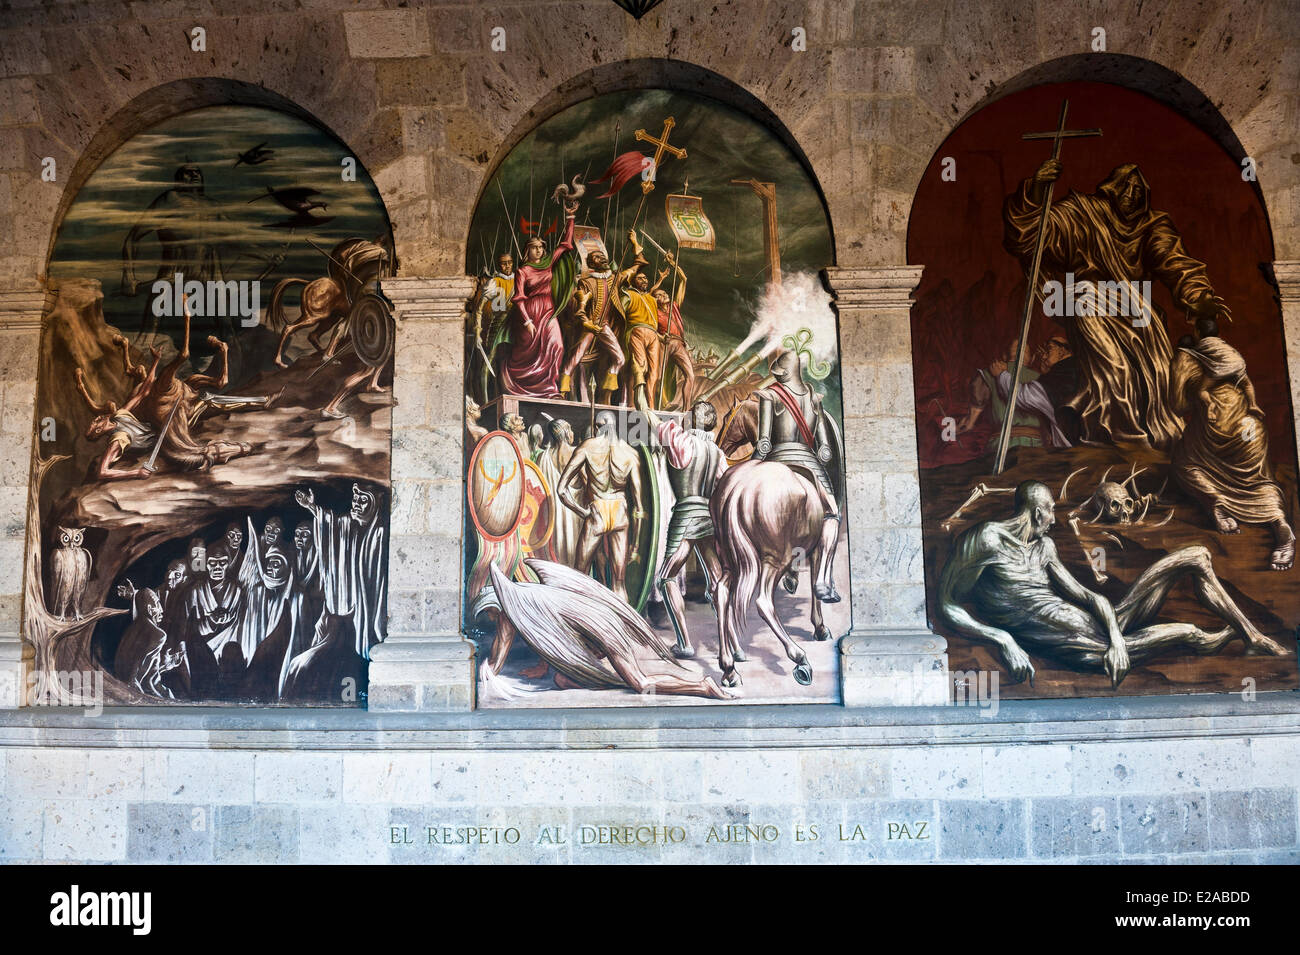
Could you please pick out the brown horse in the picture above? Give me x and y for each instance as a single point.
(766, 519)
(323, 303)
(739, 428)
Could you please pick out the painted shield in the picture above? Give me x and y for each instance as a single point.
(537, 519)
(496, 486)
(371, 327)
(835, 466)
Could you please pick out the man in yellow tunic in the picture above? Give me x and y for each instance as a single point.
(1113, 236)
(1221, 459)
(642, 313)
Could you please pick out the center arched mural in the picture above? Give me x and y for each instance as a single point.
(654, 461)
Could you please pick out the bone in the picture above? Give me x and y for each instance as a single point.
(1060, 499)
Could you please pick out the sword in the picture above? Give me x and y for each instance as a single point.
(662, 251)
(149, 465)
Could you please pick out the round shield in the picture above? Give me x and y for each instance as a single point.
(371, 328)
(495, 486)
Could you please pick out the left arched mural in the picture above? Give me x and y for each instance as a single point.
(210, 496)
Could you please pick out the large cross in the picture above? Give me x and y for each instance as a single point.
(661, 146)
(1056, 136)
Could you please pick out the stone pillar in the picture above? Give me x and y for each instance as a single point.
(20, 333)
(425, 663)
(1287, 276)
(889, 657)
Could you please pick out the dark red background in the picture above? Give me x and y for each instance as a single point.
(972, 292)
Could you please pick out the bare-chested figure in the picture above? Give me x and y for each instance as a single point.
(602, 478)
(1018, 591)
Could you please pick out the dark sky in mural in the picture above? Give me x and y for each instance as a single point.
(89, 243)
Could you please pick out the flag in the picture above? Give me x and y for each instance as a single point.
(623, 170)
(586, 239)
(691, 227)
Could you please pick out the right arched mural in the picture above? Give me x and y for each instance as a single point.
(1108, 466)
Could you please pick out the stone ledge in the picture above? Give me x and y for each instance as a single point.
(428, 300)
(884, 287)
(703, 728)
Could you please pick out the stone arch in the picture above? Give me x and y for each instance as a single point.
(163, 102)
(647, 73)
(1130, 72)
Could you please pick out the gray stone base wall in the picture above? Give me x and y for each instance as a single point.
(1152, 781)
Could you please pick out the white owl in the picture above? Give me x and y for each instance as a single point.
(70, 570)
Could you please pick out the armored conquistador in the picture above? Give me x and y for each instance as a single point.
(792, 430)
(694, 464)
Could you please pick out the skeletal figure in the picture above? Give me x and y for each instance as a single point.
(1005, 585)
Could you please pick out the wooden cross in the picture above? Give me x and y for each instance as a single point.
(1056, 136)
(661, 146)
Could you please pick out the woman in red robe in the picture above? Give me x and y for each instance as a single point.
(542, 288)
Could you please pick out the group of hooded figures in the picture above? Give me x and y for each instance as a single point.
(258, 617)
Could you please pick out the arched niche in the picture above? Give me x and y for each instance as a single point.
(540, 389)
(970, 224)
(169, 552)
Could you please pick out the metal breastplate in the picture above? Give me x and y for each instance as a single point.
(785, 429)
(697, 478)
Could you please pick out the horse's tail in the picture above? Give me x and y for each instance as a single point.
(738, 555)
(275, 314)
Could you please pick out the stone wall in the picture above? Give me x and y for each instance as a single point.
(1031, 783)
(429, 109)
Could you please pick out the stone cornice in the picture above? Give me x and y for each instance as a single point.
(418, 299)
(887, 286)
(22, 308)
(815, 726)
(1287, 275)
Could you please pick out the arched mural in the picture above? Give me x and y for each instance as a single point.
(654, 467)
(1108, 473)
(210, 497)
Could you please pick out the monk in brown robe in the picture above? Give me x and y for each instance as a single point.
(1222, 458)
(1113, 236)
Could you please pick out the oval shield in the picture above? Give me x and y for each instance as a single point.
(496, 486)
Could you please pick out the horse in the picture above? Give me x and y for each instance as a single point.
(739, 428)
(323, 303)
(767, 517)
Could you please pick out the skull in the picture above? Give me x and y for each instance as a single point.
(1114, 504)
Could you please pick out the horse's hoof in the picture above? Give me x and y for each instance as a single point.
(731, 678)
(822, 633)
(826, 595)
(803, 674)
(790, 582)
(683, 653)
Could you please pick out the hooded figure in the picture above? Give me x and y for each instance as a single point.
(307, 600)
(157, 660)
(353, 564)
(142, 637)
(215, 601)
(265, 576)
(1116, 332)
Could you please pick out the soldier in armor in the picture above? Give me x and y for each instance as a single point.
(695, 462)
(491, 307)
(601, 479)
(594, 299)
(792, 430)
